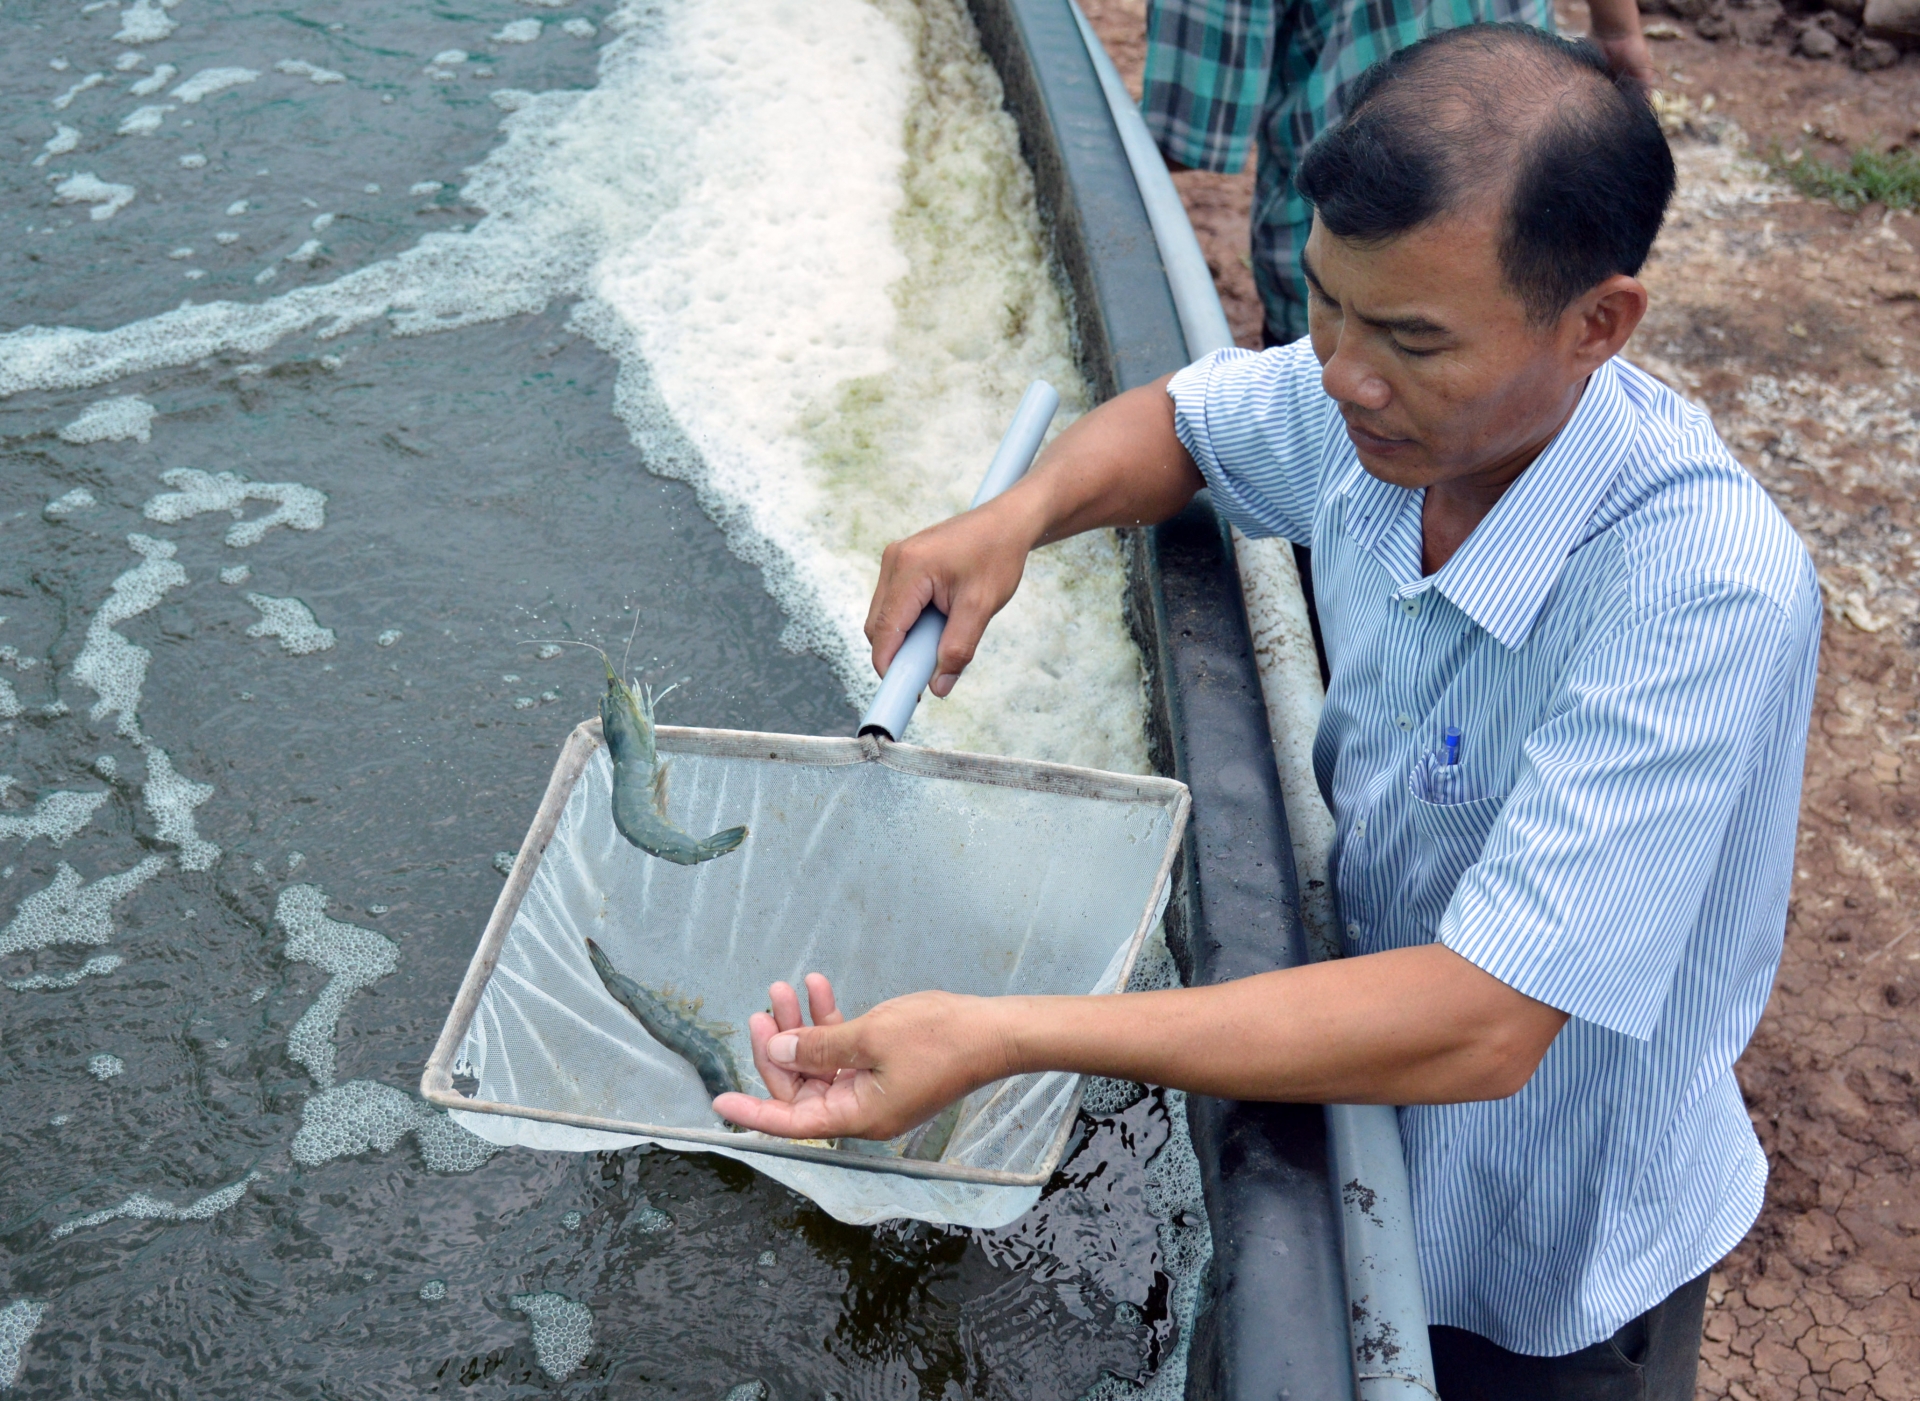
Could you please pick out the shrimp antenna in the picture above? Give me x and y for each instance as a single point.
(632, 633)
(569, 642)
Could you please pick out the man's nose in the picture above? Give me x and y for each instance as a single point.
(1349, 379)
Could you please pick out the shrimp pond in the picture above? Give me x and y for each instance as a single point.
(348, 355)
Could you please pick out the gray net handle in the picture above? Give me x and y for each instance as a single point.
(912, 666)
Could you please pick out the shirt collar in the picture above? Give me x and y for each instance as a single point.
(1504, 571)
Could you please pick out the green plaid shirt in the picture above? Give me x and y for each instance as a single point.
(1215, 67)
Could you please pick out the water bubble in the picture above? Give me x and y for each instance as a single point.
(292, 622)
(755, 1390)
(17, 1322)
(104, 1067)
(524, 702)
(571, 1220)
(193, 160)
(547, 651)
(503, 862)
(235, 574)
(562, 1331)
(767, 1260)
(433, 1289)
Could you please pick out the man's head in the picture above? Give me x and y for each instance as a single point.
(1480, 215)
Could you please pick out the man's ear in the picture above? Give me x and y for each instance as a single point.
(1602, 320)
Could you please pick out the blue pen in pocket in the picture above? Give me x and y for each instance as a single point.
(1452, 741)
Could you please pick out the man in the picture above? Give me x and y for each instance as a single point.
(1572, 648)
(1213, 64)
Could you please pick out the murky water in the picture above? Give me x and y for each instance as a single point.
(229, 705)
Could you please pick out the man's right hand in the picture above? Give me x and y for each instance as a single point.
(1121, 465)
(967, 567)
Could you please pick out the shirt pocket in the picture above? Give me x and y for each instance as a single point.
(1451, 822)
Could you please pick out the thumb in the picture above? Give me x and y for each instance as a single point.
(818, 1051)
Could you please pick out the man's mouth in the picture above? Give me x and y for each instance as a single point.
(1367, 441)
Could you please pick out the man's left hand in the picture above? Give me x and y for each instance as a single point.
(876, 1076)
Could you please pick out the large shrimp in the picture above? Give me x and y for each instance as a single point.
(640, 779)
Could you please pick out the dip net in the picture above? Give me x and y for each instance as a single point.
(888, 867)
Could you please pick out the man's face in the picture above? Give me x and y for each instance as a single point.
(1430, 356)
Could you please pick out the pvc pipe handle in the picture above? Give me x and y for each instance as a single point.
(912, 666)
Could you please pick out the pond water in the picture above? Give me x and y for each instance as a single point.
(387, 347)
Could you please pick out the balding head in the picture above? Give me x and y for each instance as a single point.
(1508, 114)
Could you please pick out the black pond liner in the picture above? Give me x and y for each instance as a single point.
(1272, 1313)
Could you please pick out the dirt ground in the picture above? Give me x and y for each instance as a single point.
(1791, 322)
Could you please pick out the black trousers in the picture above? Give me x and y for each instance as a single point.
(1654, 1358)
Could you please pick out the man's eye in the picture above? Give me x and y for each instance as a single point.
(1416, 354)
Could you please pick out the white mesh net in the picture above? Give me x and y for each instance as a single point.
(920, 870)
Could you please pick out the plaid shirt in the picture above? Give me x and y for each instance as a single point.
(1214, 67)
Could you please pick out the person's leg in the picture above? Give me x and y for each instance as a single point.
(1655, 1357)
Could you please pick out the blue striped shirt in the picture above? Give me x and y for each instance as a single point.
(1627, 644)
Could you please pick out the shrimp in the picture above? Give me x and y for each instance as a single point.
(640, 779)
(679, 1030)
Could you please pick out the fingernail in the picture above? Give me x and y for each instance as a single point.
(784, 1048)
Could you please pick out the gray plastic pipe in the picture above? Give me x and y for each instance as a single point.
(912, 666)
(1392, 1360)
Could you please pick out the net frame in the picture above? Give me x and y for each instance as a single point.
(436, 1081)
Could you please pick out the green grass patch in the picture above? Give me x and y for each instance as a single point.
(1870, 177)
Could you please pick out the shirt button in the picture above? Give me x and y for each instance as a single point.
(1360, 827)
(1410, 606)
(1403, 720)
(1353, 931)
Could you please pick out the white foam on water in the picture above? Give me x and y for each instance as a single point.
(388, 637)
(313, 72)
(196, 493)
(70, 501)
(519, 31)
(433, 1289)
(360, 1116)
(425, 187)
(356, 958)
(755, 1390)
(144, 22)
(63, 140)
(96, 967)
(104, 1067)
(562, 1331)
(449, 58)
(9, 702)
(171, 799)
(112, 667)
(65, 99)
(323, 222)
(67, 911)
(106, 765)
(57, 816)
(106, 198)
(235, 574)
(145, 121)
(579, 28)
(292, 622)
(154, 81)
(193, 160)
(209, 81)
(306, 252)
(129, 61)
(141, 1207)
(17, 1322)
(112, 421)
(234, 211)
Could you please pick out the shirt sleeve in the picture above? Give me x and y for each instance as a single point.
(1256, 424)
(1592, 880)
(1206, 75)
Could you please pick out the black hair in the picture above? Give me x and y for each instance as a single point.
(1501, 109)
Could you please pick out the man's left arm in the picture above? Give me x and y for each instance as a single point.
(1580, 904)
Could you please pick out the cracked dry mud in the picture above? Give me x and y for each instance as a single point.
(1797, 325)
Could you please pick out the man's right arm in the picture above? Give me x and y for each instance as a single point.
(1121, 465)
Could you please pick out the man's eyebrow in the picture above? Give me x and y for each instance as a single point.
(1405, 325)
